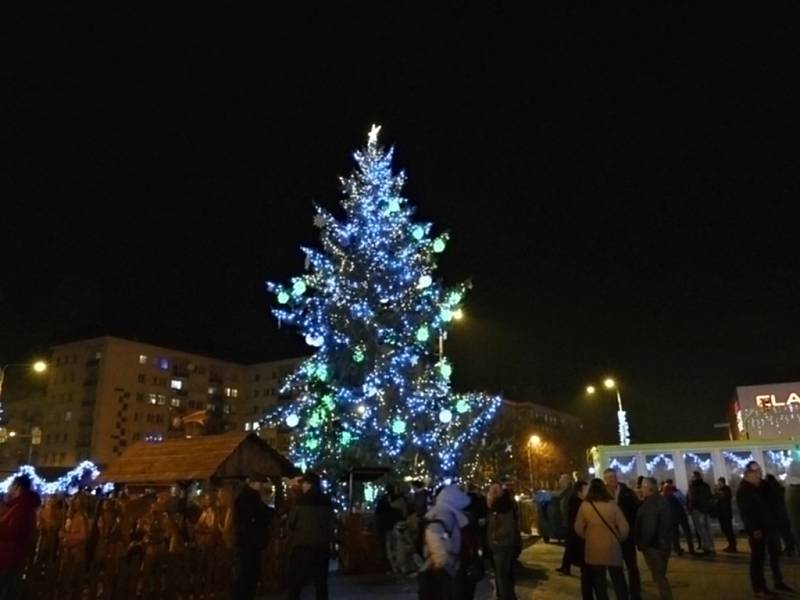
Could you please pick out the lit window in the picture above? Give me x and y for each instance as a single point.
(142, 359)
(234, 393)
(228, 392)
(162, 399)
(176, 402)
(68, 415)
(163, 364)
(152, 398)
(176, 384)
(256, 425)
(247, 426)
(212, 391)
(227, 409)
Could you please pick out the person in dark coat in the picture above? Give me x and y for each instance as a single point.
(653, 534)
(753, 500)
(503, 536)
(777, 497)
(700, 504)
(311, 525)
(680, 520)
(17, 529)
(724, 502)
(420, 497)
(626, 499)
(575, 548)
(252, 519)
(568, 500)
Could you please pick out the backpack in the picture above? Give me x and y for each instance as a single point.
(422, 526)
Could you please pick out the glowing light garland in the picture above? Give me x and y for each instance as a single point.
(63, 485)
(651, 465)
(702, 464)
(624, 468)
(371, 307)
(732, 458)
(782, 458)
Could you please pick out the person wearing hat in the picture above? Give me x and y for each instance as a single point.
(310, 525)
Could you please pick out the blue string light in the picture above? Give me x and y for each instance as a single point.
(65, 484)
(369, 305)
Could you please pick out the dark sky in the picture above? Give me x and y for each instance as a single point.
(620, 182)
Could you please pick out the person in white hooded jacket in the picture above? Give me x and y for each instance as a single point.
(437, 577)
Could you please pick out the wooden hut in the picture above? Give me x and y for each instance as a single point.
(235, 455)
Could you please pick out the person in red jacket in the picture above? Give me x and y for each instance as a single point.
(17, 528)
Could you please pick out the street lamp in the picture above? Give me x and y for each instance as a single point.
(622, 419)
(38, 367)
(534, 442)
(458, 314)
(35, 437)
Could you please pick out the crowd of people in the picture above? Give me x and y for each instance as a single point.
(445, 538)
(115, 545)
(609, 522)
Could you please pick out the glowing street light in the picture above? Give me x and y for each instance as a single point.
(458, 315)
(622, 419)
(534, 442)
(38, 367)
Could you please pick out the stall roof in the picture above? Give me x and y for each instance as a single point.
(229, 455)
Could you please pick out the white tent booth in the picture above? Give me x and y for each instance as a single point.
(677, 461)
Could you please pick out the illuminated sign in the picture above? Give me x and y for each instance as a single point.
(770, 401)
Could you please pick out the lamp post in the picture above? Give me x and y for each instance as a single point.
(38, 367)
(35, 437)
(533, 442)
(622, 419)
(458, 314)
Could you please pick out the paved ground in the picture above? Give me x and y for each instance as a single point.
(692, 578)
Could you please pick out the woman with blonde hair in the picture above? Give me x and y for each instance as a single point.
(601, 523)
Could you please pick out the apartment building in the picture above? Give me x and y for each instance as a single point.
(106, 393)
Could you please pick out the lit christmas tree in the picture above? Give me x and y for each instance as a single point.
(375, 390)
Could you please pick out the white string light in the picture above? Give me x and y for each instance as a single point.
(64, 484)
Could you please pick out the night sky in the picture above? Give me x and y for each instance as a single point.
(620, 183)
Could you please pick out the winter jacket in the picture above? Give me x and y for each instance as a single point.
(17, 529)
(603, 548)
(724, 499)
(628, 502)
(754, 507)
(793, 503)
(311, 521)
(503, 526)
(252, 519)
(575, 544)
(700, 496)
(443, 534)
(654, 524)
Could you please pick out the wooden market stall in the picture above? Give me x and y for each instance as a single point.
(205, 458)
(159, 546)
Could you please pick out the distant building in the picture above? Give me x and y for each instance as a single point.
(766, 412)
(106, 393)
(509, 452)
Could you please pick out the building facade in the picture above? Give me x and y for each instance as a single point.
(766, 412)
(107, 393)
(508, 450)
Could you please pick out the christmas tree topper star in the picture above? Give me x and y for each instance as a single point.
(373, 134)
